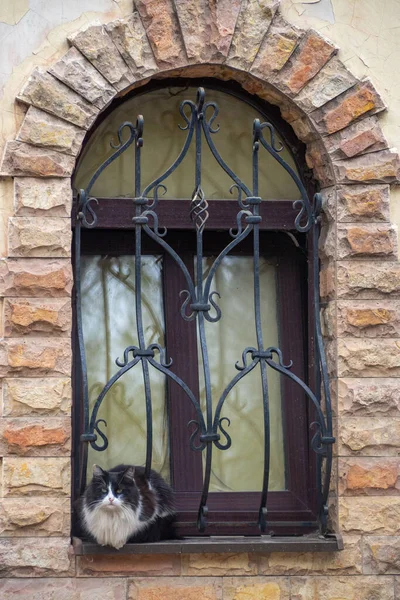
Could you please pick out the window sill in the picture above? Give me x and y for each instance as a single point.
(262, 544)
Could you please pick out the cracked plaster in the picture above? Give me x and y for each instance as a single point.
(34, 32)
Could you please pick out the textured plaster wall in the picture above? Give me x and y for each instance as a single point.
(33, 33)
(368, 35)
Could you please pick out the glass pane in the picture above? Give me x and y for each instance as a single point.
(240, 468)
(163, 141)
(109, 326)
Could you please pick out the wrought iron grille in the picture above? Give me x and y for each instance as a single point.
(200, 302)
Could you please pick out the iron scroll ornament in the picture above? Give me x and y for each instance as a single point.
(200, 303)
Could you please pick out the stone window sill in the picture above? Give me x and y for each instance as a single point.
(262, 544)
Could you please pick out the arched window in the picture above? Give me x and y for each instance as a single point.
(197, 340)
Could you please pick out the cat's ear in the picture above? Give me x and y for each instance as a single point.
(129, 474)
(98, 471)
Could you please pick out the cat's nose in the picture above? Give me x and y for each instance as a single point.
(111, 500)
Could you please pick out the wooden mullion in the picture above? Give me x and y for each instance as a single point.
(181, 343)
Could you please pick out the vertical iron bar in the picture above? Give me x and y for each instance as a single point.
(81, 345)
(262, 516)
(138, 306)
(201, 324)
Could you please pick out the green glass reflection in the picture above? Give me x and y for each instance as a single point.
(163, 141)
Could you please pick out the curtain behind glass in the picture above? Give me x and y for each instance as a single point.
(109, 326)
(240, 468)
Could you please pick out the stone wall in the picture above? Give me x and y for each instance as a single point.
(336, 115)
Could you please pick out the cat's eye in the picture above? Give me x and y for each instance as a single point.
(104, 490)
(119, 491)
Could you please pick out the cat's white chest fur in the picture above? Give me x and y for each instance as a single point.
(112, 526)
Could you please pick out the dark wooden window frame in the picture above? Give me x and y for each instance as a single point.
(291, 512)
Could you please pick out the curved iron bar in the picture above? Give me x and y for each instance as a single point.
(220, 161)
(84, 207)
(160, 367)
(176, 258)
(181, 155)
(304, 203)
(223, 397)
(99, 400)
(221, 256)
(135, 133)
(306, 389)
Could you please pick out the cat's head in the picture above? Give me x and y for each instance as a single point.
(111, 490)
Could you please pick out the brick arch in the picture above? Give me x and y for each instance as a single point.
(332, 111)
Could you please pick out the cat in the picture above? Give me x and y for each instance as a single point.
(122, 504)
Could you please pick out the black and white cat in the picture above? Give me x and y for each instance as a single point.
(122, 505)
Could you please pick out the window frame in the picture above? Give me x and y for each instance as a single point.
(115, 214)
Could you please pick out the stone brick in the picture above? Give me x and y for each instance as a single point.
(369, 397)
(35, 277)
(63, 589)
(44, 91)
(381, 555)
(163, 32)
(331, 81)
(218, 564)
(376, 167)
(307, 60)
(256, 588)
(31, 236)
(346, 562)
(318, 160)
(377, 515)
(361, 476)
(176, 588)
(360, 100)
(130, 38)
(43, 129)
(368, 280)
(42, 197)
(140, 565)
(40, 317)
(25, 160)
(40, 517)
(41, 436)
(223, 21)
(36, 477)
(32, 397)
(378, 436)
(276, 48)
(363, 203)
(368, 358)
(252, 24)
(79, 74)
(200, 23)
(342, 588)
(369, 241)
(359, 138)
(35, 357)
(368, 318)
(304, 129)
(95, 43)
(33, 558)
(327, 281)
